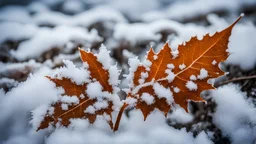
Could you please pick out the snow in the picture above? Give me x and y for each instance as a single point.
(155, 57)
(182, 66)
(170, 66)
(103, 57)
(235, 114)
(73, 6)
(147, 63)
(114, 76)
(180, 116)
(133, 65)
(100, 105)
(134, 33)
(16, 31)
(242, 36)
(149, 99)
(192, 77)
(176, 89)
(36, 28)
(170, 77)
(29, 95)
(214, 62)
(46, 39)
(191, 86)
(86, 18)
(37, 6)
(64, 106)
(69, 99)
(203, 74)
(131, 101)
(163, 92)
(17, 14)
(94, 90)
(90, 109)
(8, 82)
(70, 71)
(144, 75)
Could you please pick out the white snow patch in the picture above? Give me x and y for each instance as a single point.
(235, 114)
(214, 62)
(163, 92)
(203, 74)
(94, 90)
(191, 86)
(182, 66)
(77, 75)
(46, 39)
(64, 106)
(175, 53)
(193, 77)
(170, 77)
(69, 99)
(135, 33)
(90, 109)
(103, 57)
(131, 101)
(149, 99)
(147, 63)
(170, 66)
(100, 105)
(176, 89)
(179, 115)
(16, 31)
(113, 75)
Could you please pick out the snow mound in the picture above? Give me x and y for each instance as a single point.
(46, 39)
(235, 115)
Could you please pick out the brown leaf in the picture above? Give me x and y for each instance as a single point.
(175, 77)
(77, 110)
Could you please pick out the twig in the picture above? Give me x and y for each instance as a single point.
(119, 116)
(236, 79)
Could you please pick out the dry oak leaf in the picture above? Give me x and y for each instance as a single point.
(89, 91)
(175, 77)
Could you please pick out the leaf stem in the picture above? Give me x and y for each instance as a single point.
(119, 116)
(236, 79)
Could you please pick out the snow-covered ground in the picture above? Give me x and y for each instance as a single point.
(38, 38)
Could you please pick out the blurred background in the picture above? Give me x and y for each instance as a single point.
(36, 35)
